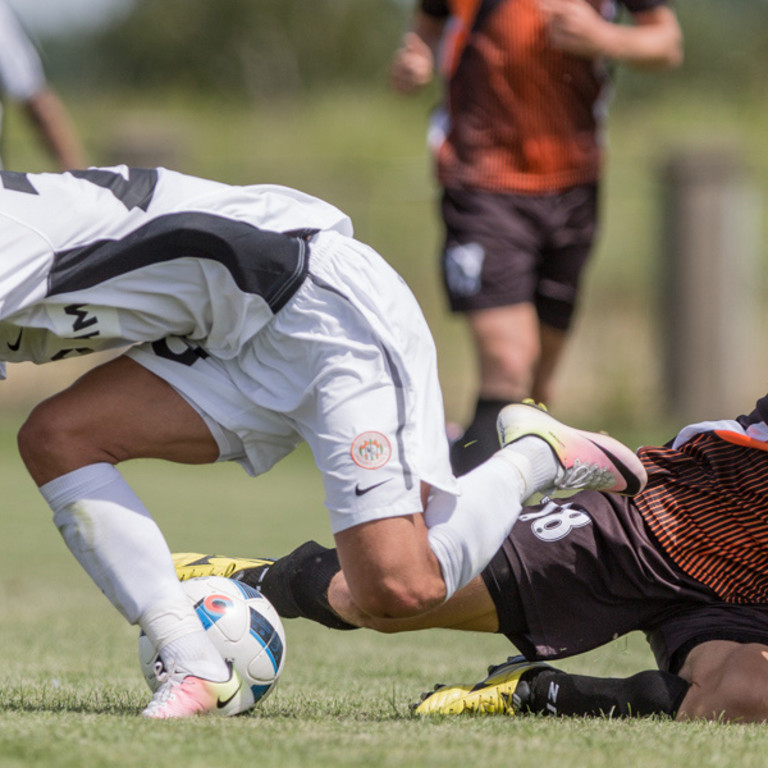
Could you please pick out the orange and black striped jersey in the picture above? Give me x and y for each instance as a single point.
(523, 116)
(706, 503)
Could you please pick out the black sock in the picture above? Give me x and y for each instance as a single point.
(297, 585)
(652, 692)
(480, 440)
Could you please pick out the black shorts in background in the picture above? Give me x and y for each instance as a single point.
(502, 249)
(577, 573)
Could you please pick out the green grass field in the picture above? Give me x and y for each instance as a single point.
(70, 687)
(71, 690)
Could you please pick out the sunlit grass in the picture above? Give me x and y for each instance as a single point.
(71, 690)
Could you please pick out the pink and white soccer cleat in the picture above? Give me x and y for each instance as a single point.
(587, 460)
(183, 695)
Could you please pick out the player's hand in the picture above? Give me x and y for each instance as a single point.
(576, 27)
(413, 65)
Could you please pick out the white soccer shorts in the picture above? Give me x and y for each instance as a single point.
(348, 365)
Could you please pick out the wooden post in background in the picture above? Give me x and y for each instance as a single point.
(709, 287)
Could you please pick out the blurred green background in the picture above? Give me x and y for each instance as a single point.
(296, 93)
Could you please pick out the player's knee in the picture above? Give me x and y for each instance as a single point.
(394, 599)
(47, 435)
(38, 434)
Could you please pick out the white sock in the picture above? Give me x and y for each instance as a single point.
(115, 539)
(191, 653)
(466, 531)
(535, 461)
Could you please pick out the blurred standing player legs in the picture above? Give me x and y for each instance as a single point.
(519, 158)
(22, 80)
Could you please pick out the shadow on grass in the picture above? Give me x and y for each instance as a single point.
(120, 702)
(56, 699)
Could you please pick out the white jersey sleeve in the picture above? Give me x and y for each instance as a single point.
(21, 72)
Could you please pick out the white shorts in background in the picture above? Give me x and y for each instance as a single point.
(348, 365)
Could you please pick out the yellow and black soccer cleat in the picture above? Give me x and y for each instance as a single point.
(503, 692)
(190, 565)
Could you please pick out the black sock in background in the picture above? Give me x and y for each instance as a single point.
(480, 440)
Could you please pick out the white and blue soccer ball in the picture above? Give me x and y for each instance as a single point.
(245, 628)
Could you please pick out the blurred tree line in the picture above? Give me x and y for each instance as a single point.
(286, 47)
(239, 47)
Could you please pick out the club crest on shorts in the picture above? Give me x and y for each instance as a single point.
(463, 264)
(371, 450)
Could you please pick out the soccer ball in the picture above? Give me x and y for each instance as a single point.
(244, 627)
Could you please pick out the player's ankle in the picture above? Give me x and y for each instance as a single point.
(297, 585)
(196, 655)
(534, 460)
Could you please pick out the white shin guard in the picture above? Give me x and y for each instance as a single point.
(115, 539)
(466, 531)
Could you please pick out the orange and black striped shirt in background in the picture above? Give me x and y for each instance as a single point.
(524, 117)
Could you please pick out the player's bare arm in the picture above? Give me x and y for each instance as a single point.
(413, 65)
(654, 40)
(54, 124)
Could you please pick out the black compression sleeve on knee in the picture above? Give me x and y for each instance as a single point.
(480, 440)
(652, 692)
(297, 585)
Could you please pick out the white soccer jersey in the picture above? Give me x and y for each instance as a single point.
(110, 256)
(254, 303)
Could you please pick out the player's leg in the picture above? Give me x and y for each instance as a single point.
(522, 686)
(506, 341)
(70, 444)
(364, 393)
(489, 269)
(374, 421)
(552, 343)
(402, 566)
(470, 609)
(571, 576)
(570, 220)
(728, 681)
(114, 412)
(309, 583)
